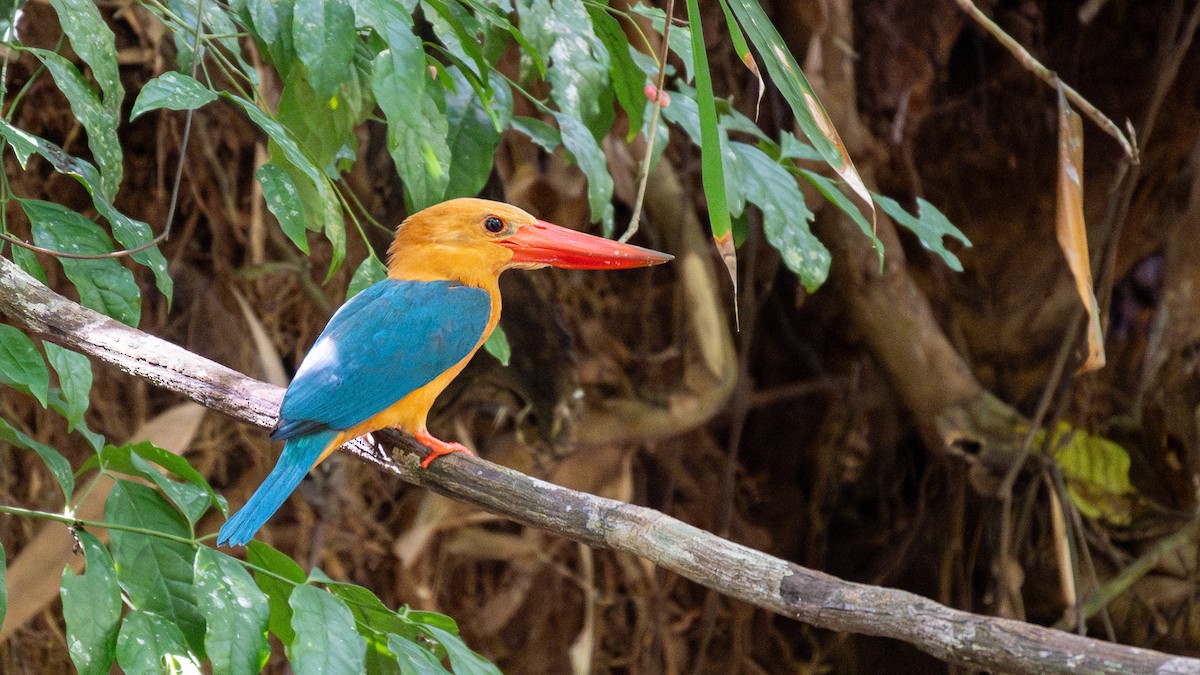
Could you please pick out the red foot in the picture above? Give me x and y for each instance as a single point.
(438, 446)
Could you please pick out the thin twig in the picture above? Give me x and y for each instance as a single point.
(1051, 78)
(644, 178)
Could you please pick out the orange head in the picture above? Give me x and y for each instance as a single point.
(465, 238)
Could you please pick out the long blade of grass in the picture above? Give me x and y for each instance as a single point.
(711, 165)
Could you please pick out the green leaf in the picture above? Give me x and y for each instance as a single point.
(25, 143)
(28, 261)
(930, 225)
(1097, 474)
(829, 189)
(97, 120)
(587, 153)
(150, 644)
(628, 80)
(178, 466)
(59, 467)
(323, 126)
(278, 592)
(21, 365)
(546, 136)
(133, 233)
(330, 216)
(369, 611)
(459, 32)
(680, 40)
(74, 380)
(156, 573)
(92, 609)
(579, 61)
(272, 21)
(94, 42)
(174, 91)
(326, 640)
(191, 500)
(324, 36)
(810, 115)
(497, 345)
(369, 272)
(433, 619)
(235, 612)
(462, 659)
(104, 285)
(417, 140)
(472, 137)
(413, 657)
(773, 189)
(283, 200)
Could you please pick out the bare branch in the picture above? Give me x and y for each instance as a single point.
(727, 567)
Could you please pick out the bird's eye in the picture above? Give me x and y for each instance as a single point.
(493, 224)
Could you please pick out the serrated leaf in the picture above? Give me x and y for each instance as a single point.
(369, 272)
(149, 644)
(21, 365)
(283, 200)
(156, 573)
(104, 284)
(590, 158)
(544, 135)
(324, 36)
(74, 372)
(278, 591)
(470, 134)
(235, 613)
(771, 188)
(92, 609)
(326, 640)
(929, 225)
(94, 42)
(413, 657)
(173, 91)
(462, 659)
(97, 120)
(497, 345)
(59, 467)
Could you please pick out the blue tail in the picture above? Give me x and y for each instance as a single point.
(299, 455)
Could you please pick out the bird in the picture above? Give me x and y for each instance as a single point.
(389, 351)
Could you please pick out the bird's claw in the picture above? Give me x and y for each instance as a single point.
(438, 447)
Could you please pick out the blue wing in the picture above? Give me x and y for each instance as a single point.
(388, 340)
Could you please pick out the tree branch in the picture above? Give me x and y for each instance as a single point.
(727, 567)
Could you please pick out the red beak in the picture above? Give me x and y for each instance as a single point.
(547, 244)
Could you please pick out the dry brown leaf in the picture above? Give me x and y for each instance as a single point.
(1071, 228)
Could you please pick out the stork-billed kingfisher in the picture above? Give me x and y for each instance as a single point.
(390, 350)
